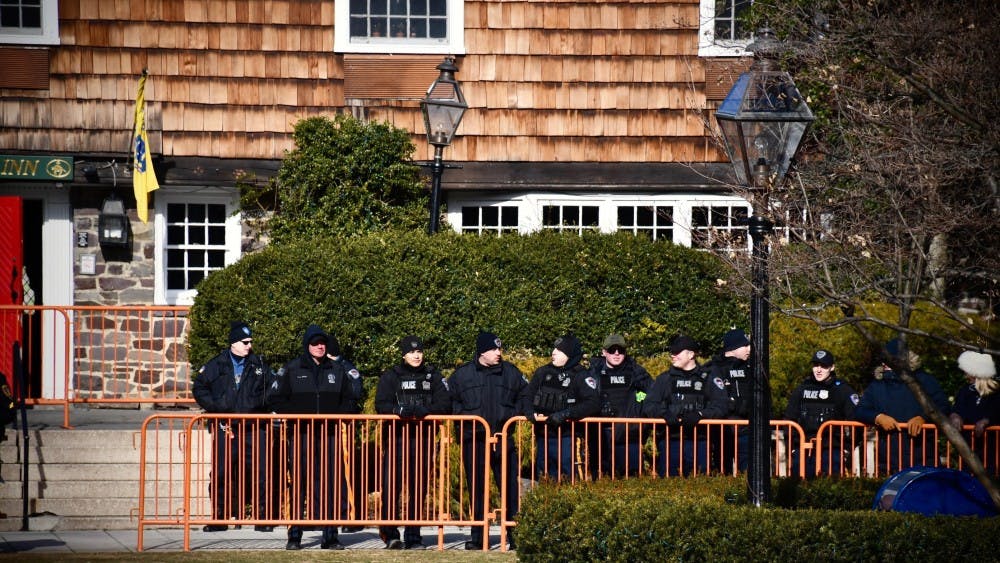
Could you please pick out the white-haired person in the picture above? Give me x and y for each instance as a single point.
(978, 404)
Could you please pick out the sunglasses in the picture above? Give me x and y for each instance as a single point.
(616, 350)
(247, 342)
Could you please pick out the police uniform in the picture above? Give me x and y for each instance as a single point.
(810, 405)
(682, 399)
(232, 384)
(495, 393)
(408, 444)
(615, 449)
(304, 386)
(734, 442)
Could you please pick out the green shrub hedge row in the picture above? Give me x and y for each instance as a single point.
(689, 520)
(371, 290)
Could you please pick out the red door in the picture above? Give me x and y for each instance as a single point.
(11, 286)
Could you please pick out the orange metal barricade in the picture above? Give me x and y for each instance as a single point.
(108, 354)
(868, 452)
(307, 470)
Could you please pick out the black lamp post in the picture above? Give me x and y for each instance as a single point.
(443, 107)
(763, 120)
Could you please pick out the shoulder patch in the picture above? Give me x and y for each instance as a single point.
(354, 373)
(591, 382)
(719, 383)
(201, 370)
(855, 399)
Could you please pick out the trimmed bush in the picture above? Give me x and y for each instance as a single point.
(689, 520)
(372, 289)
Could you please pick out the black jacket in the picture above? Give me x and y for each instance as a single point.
(620, 387)
(402, 385)
(694, 394)
(572, 389)
(495, 393)
(812, 403)
(215, 387)
(303, 386)
(735, 373)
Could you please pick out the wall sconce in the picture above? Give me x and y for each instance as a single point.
(112, 223)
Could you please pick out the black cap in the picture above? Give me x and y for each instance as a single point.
(681, 343)
(823, 358)
(238, 330)
(734, 339)
(487, 341)
(410, 343)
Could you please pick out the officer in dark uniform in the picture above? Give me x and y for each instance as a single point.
(732, 366)
(235, 382)
(615, 449)
(496, 390)
(314, 384)
(411, 389)
(682, 396)
(561, 391)
(820, 398)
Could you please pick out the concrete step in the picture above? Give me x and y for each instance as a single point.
(88, 472)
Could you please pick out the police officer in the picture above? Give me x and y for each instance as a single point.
(560, 391)
(496, 390)
(615, 449)
(411, 389)
(234, 381)
(732, 366)
(820, 398)
(313, 383)
(682, 396)
(889, 405)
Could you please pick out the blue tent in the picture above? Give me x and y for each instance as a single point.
(935, 490)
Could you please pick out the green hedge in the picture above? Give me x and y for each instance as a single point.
(372, 289)
(689, 520)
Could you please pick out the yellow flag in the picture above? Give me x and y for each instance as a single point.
(143, 176)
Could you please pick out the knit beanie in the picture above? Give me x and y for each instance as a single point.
(238, 330)
(487, 341)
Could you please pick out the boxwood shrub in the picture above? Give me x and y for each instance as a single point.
(371, 290)
(690, 520)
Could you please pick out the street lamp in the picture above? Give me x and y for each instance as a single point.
(763, 120)
(443, 107)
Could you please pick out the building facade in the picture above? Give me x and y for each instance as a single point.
(583, 115)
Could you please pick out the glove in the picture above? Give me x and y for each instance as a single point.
(886, 422)
(915, 425)
(405, 411)
(981, 425)
(956, 421)
(608, 410)
(557, 418)
(419, 411)
(690, 419)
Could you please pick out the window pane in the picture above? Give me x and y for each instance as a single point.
(470, 216)
(359, 7)
(216, 259)
(439, 28)
(196, 213)
(175, 234)
(591, 215)
(418, 7)
(439, 7)
(175, 279)
(194, 276)
(699, 216)
(217, 236)
(196, 259)
(550, 215)
(196, 234)
(509, 217)
(571, 215)
(491, 217)
(379, 7)
(175, 258)
(665, 216)
(625, 216)
(216, 213)
(175, 212)
(645, 217)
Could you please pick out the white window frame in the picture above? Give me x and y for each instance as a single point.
(233, 225)
(479, 228)
(708, 46)
(48, 35)
(530, 207)
(454, 44)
